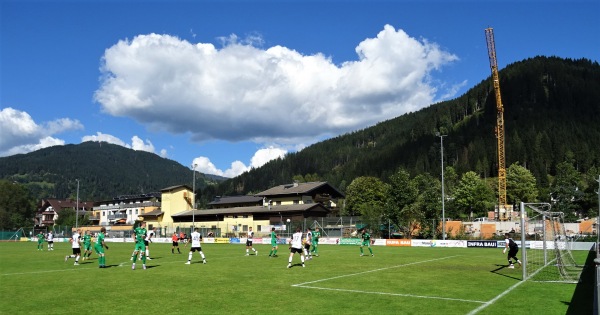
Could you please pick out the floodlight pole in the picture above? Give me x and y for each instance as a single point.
(598, 218)
(443, 204)
(77, 206)
(193, 195)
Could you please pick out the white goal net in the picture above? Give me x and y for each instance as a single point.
(548, 254)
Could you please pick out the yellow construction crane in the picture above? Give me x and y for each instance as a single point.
(491, 46)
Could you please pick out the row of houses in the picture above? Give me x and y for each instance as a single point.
(173, 208)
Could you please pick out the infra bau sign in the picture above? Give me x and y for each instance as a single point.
(485, 244)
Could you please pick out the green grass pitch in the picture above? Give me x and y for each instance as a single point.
(397, 280)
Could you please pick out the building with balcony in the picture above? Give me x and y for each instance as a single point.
(50, 209)
(125, 209)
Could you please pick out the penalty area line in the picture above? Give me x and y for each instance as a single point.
(374, 270)
(392, 294)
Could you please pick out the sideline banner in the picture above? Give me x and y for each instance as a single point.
(329, 241)
(350, 241)
(398, 242)
(221, 240)
(439, 243)
(256, 240)
(378, 242)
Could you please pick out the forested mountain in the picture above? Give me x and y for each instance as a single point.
(552, 115)
(104, 171)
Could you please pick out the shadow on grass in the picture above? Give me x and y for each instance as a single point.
(501, 267)
(296, 265)
(582, 301)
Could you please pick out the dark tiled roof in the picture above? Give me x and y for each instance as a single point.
(236, 200)
(301, 189)
(175, 188)
(254, 209)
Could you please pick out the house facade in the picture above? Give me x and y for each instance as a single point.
(124, 210)
(172, 210)
(48, 212)
(281, 207)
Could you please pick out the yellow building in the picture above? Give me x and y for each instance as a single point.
(281, 207)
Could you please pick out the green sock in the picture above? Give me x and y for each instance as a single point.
(370, 250)
(361, 251)
(271, 252)
(275, 253)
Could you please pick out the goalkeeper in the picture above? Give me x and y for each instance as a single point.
(513, 249)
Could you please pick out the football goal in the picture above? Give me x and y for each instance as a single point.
(548, 256)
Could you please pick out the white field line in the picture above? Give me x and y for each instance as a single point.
(492, 301)
(393, 294)
(374, 270)
(195, 259)
(305, 284)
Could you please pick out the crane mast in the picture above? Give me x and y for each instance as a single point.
(491, 46)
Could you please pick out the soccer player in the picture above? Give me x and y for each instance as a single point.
(249, 243)
(366, 241)
(274, 238)
(87, 245)
(99, 247)
(196, 238)
(139, 234)
(50, 239)
(40, 238)
(148, 240)
(296, 247)
(175, 240)
(75, 246)
(513, 249)
(307, 243)
(315, 241)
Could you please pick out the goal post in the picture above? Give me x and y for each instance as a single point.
(546, 245)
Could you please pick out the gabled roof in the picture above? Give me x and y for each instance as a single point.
(226, 200)
(254, 209)
(176, 187)
(302, 189)
(58, 204)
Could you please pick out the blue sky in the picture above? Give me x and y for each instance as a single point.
(229, 85)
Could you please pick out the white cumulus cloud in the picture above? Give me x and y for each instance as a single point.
(240, 92)
(260, 158)
(136, 142)
(19, 133)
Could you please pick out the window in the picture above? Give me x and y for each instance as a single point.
(258, 227)
(296, 202)
(278, 202)
(245, 216)
(136, 211)
(245, 228)
(129, 211)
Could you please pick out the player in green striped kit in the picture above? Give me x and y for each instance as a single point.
(366, 237)
(87, 245)
(274, 247)
(40, 239)
(139, 234)
(315, 242)
(99, 247)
